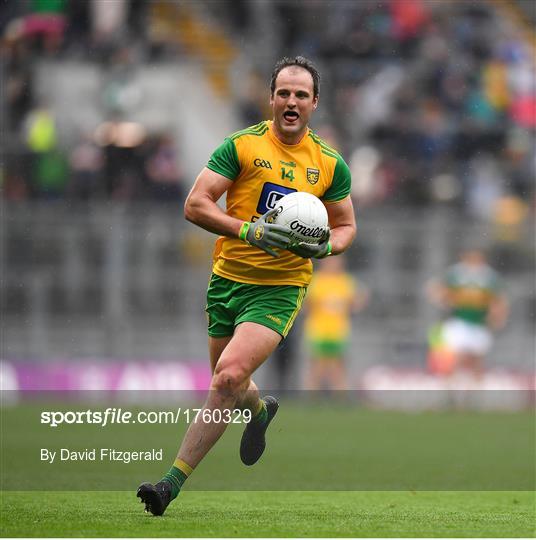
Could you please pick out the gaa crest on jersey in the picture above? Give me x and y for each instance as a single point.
(258, 162)
(313, 175)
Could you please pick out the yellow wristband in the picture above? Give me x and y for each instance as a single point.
(243, 233)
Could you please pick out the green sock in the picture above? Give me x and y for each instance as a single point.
(261, 416)
(177, 475)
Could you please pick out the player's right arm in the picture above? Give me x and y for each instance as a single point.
(439, 289)
(436, 292)
(201, 208)
(201, 205)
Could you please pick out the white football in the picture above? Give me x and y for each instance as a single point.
(305, 214)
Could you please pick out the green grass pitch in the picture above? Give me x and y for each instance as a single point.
(330, 470)
(272, 514)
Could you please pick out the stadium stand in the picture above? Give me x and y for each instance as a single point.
(431, 103)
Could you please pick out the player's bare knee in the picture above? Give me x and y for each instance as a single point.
(229, 379)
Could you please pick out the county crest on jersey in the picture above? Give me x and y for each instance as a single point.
(263, 169)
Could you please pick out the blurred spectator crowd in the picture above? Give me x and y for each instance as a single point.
(430, 102)
(119, 160)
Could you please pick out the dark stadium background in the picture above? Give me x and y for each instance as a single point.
(109, 111)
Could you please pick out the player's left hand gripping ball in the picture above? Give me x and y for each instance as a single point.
(264, 234)
(313, 251)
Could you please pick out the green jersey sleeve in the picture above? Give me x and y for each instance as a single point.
(341, 184)
(224, 160)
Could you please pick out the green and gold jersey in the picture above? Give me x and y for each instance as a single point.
(330, 299)
(263, 170)
(470, 291)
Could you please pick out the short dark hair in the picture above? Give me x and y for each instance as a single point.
(299, 61)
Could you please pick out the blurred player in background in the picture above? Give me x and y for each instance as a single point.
(259, 278)
(471, 292)
(331, 299)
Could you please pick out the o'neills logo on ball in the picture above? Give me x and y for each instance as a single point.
(313, 232)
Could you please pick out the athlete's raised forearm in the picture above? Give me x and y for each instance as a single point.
(341, 238)
(201, 210)
(342, 224)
